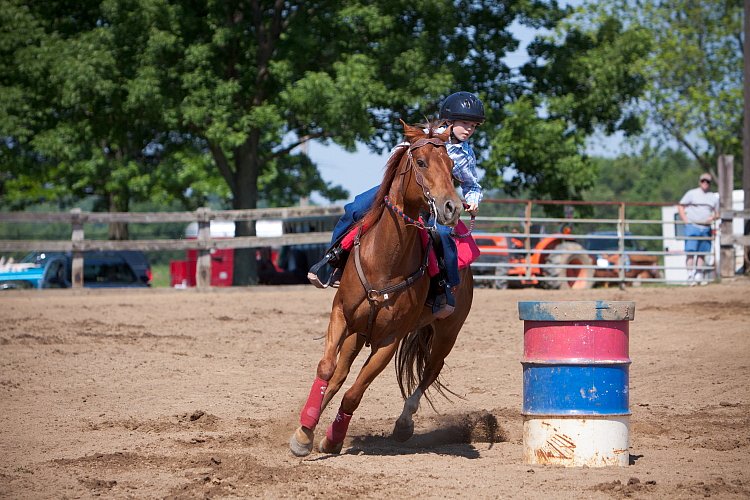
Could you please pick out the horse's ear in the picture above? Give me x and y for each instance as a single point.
(445, 135)
(411, 132)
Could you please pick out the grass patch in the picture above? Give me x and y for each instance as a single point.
(161, 275)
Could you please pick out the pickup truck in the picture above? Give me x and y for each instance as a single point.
(106, 269)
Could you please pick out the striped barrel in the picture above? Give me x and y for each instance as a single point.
(575, 382)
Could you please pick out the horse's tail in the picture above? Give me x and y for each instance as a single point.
(411, 360)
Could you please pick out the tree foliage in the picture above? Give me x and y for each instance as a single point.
(134, 100)
(82, 112)
(693, 72)
(579, 80)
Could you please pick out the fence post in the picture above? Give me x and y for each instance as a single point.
(527, 239)
(726, 185)
(203, 269)
(76, 267)
(621, 244)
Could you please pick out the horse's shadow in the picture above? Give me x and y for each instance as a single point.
(454, 435)
(444, 441)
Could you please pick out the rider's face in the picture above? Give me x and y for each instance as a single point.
(463, 129)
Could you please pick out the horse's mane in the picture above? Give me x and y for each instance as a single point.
(430, 130)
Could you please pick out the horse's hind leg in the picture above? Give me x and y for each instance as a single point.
(301, 442)
(444, 335)
(376, 362)
(441, 347)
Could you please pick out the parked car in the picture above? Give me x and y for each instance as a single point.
(105, 269)
(606, 244)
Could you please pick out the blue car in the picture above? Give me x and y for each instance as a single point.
(105, 269)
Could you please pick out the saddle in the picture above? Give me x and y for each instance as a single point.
(467, 249)
(440, 296)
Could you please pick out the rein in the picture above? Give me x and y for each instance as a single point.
(400, 212)
(373, 295)
(420, 225)
(468, 232)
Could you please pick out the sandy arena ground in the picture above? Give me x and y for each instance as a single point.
(181, 394)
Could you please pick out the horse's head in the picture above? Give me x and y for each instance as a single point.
(428, 170)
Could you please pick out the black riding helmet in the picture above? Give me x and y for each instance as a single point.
(462, 106)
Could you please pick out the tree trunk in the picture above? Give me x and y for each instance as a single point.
(118, 230)
(245, 270)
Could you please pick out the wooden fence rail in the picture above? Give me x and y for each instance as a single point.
(204, 243)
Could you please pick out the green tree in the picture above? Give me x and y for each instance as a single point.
(133, 100)
(82, 108)
(693, 72)
(653, 175)
(258, 79)
(579, 80)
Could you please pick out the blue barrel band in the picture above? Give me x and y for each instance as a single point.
(575, 389)
(584, 310)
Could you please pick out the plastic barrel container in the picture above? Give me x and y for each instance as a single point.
(575, 382)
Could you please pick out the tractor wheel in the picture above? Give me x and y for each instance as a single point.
(574, 255)
(501, 274)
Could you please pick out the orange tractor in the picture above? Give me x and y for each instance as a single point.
(557, 256)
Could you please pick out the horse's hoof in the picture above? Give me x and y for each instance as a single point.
(301, 443)
(328, 447)
(403, 430)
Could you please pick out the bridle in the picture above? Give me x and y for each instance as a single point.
(428, 196)
(374, 296)
(419, 179)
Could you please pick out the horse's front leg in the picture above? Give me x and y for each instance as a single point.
(350, 348)
(301, 442)
(373, 366)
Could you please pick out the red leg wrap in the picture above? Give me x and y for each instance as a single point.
(311, 411)
(337, 431)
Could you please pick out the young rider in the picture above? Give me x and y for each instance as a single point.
(462, 113)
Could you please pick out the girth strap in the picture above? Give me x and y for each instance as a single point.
(374, 296)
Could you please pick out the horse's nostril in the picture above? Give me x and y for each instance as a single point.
(450, 208)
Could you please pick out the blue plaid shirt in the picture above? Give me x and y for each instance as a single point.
(465, 170)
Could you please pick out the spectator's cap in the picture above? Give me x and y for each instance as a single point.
(706, 177)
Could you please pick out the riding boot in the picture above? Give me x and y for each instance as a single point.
(441, 298)
(335, 259)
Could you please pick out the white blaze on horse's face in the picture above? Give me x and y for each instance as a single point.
(435, 167)
(432, 171)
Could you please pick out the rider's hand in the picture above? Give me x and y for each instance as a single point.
(472, 208)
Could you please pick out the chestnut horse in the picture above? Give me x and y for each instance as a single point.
(382, 294)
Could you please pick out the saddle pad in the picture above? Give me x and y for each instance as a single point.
(468, 251)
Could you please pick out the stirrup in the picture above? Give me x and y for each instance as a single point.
(443, 302)
(312, 275)
(331, 257)
(441, 307)
(333, 280)
(334, 257)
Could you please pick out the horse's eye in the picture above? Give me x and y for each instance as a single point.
(421, 163)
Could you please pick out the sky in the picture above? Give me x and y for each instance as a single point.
(358, 172)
